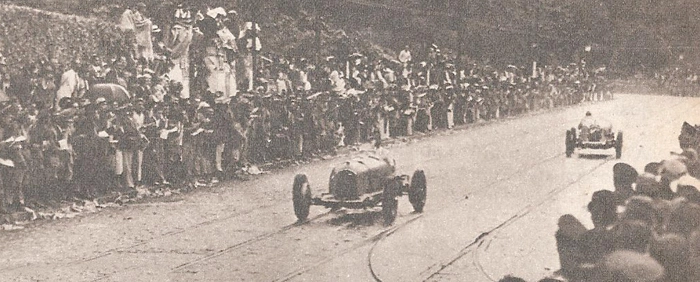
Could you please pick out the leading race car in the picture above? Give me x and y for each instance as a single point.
(363, 182)
(593, 134)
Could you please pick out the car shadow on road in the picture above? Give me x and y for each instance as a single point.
(357, 219)
(593, 156)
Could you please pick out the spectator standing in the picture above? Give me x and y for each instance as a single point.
(128, 137)
(219, 43)
(405, 57)
(4, 80)
(252, 42)
(156, 124)
(71, 84)
(178, 42)
(138, 116)
(133, 20)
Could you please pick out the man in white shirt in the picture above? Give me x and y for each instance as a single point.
(405, 56)
(138, 116)
(71, 84)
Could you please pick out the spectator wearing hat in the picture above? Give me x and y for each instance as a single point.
(117, 73)
(178, 41)
(143, 90)
(222, 123)
(138, 116)
(46, 88)
(626, 265)
(624, 176)
(251, 41)
(129, 141)
(133, 20)
(155, 129)
(13, 176)
(218, 46)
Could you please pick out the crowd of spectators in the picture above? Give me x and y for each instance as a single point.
(646, 229)
(194, 97)
(678, 81)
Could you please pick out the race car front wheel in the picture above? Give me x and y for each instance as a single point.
(618, 145)
(301, 196)
(418, 190)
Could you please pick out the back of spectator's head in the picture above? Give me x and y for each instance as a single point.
(688, 188)
(570, 226)
(672, 251)
(647, 185)
(624, 176)
(690, 155)
(652, 168)
(625, 265)
(684, 219)
(632, 235)
(603, 208)
(509, 278)
(672, 169)
(641, 208)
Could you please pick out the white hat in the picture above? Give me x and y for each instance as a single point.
(203, 105)
(249, 26)
(216, 12)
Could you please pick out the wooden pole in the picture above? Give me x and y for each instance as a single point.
(317, 30)
(255, 45)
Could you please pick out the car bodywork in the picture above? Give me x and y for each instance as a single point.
(598, 135)
(363, 182)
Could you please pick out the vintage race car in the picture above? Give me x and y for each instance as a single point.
(689, 137)
(363, 182)
(597, 135)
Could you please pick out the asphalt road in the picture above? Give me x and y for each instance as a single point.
(495, 193)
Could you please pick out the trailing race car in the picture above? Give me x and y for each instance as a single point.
(363, 182)
(593, 134)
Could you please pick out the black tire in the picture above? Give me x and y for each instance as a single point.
(569, 143)
(301, 196)
(618, 145)
(418, 191)
(390, 205)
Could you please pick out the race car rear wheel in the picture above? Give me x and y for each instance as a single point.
(390, 205)
(418, 191)
(618, 145)
(301, 196)
(570, 142)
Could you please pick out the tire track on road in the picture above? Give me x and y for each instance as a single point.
(268, 235)
(387, 232)
(474, 246)
(358, 245)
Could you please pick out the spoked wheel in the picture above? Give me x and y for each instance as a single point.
(570, 142)
(301, 196)
(618, 145)
(390, 205)
(418, 191)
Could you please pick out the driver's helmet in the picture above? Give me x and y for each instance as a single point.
(588, 114)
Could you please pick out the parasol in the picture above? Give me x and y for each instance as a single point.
(109, 91)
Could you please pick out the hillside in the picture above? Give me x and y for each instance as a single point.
(625, 34)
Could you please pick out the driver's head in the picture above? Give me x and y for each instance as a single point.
(588, 114)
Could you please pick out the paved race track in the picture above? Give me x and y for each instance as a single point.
(495, 193)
